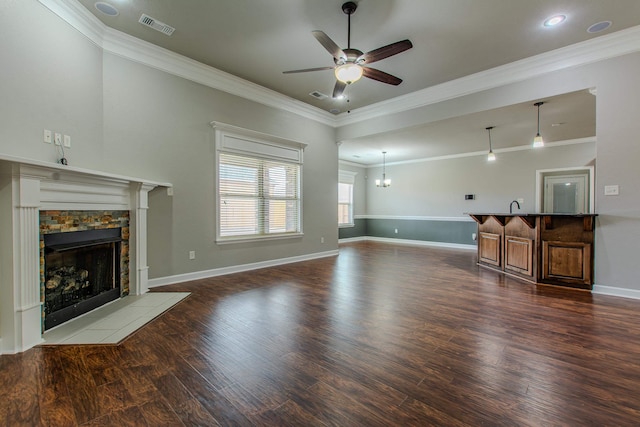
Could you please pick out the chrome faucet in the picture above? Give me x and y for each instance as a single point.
(511, 206)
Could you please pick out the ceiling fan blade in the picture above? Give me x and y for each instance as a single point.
(385, 51)
(304, 70)
(329, 44)
(338, 88)
(381, 76)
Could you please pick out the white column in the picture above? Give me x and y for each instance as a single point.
(26, 263)
(139, 280)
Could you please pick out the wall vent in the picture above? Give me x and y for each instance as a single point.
(156, 25)
(318, 95)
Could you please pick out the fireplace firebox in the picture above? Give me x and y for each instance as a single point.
(81, 273)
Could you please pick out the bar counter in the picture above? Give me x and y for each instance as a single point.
(555, 249)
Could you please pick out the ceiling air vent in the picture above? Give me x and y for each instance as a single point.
(318, 95)
(156, 25)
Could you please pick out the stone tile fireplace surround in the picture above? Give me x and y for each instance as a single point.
(28, 188)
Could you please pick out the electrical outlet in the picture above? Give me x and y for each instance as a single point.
(67, 141)
(169, 191)
(47, 136)
(322, 240)
(396, 231)
(57, 139)
(192, 254)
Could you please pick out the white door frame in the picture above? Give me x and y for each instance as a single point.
(540, 185)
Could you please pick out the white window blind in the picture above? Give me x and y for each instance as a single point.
(346, 182)
(259, 189)
(258, 197)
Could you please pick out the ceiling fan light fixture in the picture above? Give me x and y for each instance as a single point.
(349, 73)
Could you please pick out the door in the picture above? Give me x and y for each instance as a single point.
(566, 193)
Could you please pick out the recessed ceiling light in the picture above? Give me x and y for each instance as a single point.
(554, 20)
(106, 8)
(599, 26)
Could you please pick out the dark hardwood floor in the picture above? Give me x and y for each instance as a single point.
(380, 335)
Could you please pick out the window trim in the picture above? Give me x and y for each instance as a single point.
(348, 177)
(235, 140)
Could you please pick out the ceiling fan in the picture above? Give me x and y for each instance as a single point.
(352, 64)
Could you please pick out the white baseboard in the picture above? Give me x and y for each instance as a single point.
(410, 242)
(616, 292)
(197, 275)
(352, 239)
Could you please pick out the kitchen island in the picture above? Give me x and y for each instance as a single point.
(555, 249)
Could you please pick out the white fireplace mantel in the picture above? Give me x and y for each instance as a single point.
(28, 186)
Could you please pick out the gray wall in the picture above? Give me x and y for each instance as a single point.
(50, 78)
(437, 188)
(130, 119)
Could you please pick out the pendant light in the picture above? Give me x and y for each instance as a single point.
(385, 182)
(538, 141)
(490, 157)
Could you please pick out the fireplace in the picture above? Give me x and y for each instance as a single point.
(41, 198)
(81, 273)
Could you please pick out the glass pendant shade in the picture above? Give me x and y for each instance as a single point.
(491, 157)
(538, 141)
(349, 73)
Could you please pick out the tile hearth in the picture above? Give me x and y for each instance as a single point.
(115, 321)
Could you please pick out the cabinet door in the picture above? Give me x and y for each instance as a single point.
(489, 245)
(518, 255)
(568, 263)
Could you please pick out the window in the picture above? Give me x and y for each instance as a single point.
(259, 191)
(346, 181)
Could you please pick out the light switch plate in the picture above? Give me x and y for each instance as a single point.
(611, 190)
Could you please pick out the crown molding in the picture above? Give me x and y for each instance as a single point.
(134, 49)
(597, 49)
(484, 152)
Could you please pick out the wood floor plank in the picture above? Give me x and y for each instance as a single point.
(382, 334)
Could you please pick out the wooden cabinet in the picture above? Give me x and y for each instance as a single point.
(518, 255)
(489, 248)
(542, 248)
(566, 262)
(490, 241)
